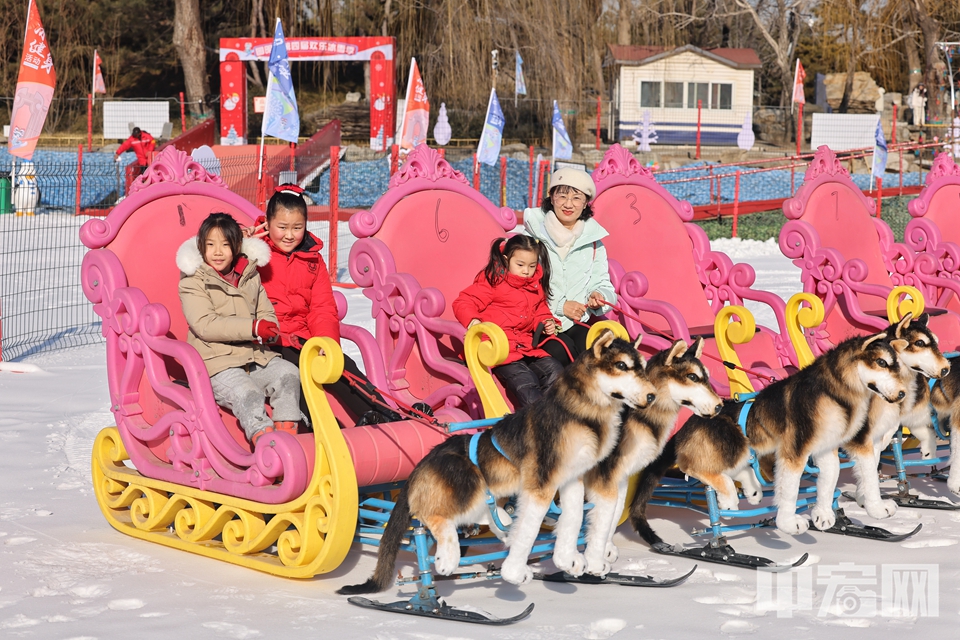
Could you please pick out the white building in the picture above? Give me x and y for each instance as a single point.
(670, 84)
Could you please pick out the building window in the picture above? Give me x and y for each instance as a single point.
(698, 91)
(650, 94)
(673, 95)
(721, 96)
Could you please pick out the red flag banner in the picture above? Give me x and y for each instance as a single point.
(35, 85)
(98, 86)
(416, 116)
(799, 75)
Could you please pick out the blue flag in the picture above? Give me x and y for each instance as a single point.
(562, 147)
(521, 81)
(488, 151)
(879, 153)
(280, 117)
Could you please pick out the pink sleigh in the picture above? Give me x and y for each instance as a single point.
(176, 469)
(850, 261)
(666, 275)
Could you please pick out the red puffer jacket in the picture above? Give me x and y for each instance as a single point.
(517, 305)
(299, 288)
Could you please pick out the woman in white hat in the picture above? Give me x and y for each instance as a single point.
(580, 278)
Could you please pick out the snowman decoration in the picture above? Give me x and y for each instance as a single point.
(645, 134)
(26, 192)
(441, 130)
(746, 138)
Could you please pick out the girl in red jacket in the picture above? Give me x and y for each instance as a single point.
(298, 285)
(511, 292)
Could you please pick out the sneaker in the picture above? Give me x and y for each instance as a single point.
(289, 427)
(259, 434)
(391, 416)
(371, 417)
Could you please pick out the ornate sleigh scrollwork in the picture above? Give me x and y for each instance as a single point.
(200, 450)
(842, 283)
(289, 507)
(311, 533)
(938, 254)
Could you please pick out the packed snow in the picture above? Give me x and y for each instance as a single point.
(65, 573)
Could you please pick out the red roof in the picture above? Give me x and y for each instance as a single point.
(640, 54)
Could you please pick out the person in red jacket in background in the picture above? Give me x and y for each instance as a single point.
(142, 144)
(298, 285)
(512, 292)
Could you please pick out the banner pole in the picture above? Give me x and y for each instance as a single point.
(699, 109)
(333, 233)
(76, 211)
(799, 126)
(90, 122)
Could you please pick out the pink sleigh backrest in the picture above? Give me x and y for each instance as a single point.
(147, 244)
(843, 217)
(441, 238)
(165, 207)
(647, 233)
(939, 201)
(438, 228)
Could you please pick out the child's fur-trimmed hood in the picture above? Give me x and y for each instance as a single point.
(189, 258)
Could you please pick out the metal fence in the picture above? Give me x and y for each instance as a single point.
(42, 305)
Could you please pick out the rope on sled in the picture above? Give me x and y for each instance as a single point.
(370, 393)
(662, 334)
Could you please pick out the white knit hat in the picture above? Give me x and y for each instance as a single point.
(573, 177)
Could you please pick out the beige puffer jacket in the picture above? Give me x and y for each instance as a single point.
(220, 315)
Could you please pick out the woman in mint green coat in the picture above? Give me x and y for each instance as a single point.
(580, 278)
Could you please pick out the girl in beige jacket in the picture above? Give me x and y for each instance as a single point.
(232, 323)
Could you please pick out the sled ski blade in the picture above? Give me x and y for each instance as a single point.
(440, 612)
(613, 578)
(845, 526)
(725, 554)
(913, 501)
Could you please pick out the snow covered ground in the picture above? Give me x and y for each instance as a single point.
(64, 573)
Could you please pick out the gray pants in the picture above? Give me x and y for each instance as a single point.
(245, 394)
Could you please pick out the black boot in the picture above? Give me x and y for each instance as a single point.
(371, 417)
(423, 407)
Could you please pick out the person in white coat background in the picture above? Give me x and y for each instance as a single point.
(580, 278)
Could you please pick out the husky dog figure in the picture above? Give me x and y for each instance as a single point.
(945, 398)
(919, 358)
(681, 381)
(543, 448)
(811, 413)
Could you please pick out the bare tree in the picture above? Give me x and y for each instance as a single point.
(930, 29)
(780, 24)
(623, 21)
(188, 40)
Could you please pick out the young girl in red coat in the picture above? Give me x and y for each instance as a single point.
(511, 292)
(298, 285)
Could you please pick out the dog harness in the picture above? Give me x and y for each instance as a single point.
(491, 502)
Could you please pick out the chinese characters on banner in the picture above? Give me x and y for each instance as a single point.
(416, 115)
(35, 85)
